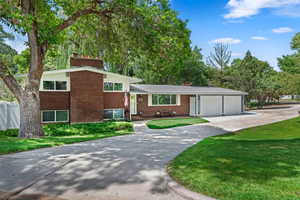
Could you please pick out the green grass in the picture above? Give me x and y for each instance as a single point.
(174, 122)
(261, 163)
(60, 134)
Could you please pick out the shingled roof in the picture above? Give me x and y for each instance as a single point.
(177, 89)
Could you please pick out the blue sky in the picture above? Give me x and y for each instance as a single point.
(265, 27)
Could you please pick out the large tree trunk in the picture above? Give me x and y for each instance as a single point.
(30, 116)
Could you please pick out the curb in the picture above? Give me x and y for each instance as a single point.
(184, 193)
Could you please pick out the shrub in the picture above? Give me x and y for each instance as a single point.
(10, 133)
(85, 129)
(77, 129)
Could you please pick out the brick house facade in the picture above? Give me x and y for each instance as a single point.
(87, 93)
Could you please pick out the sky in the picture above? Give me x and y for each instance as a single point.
(265, 27)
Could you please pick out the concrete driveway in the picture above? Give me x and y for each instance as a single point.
(119, 168)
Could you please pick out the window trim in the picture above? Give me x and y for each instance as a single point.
(113, 90)
(178, 103)
(55, 90)
(114, 114)
(42, 120)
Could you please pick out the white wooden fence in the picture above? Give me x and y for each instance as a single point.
(9, 115)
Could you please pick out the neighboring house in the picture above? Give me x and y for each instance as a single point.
(87, 93)
(289, 97)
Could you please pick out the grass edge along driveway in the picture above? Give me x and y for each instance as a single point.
(260, 163)
(60, 134)
(174, 122)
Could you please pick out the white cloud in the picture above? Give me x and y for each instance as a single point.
(290, 11)
(226, 41)
(282, 30)
(259, 38)
(248, 8)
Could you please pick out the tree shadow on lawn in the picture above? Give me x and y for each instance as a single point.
(254, 161)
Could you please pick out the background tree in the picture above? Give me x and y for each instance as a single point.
(291, 63)
(194, 70)
(220, 58)
(128, 29)
(4, 48)
(250, 75)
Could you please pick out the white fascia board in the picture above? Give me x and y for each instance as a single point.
(196, 93)
(87, 68)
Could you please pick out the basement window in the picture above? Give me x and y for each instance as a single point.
(49, 116)
(113, 87)
(114, 114)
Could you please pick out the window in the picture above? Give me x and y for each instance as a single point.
(114, 114)
(55, 116)
(61, 85)
(164, 99)
(48, 85)
(55, 85)
(109, 86)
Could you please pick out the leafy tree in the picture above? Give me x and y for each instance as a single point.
(290, 83)
(4, 48)
(128, 29)
(250, 75)
(291, 63)
(295, 44)
(194, 69)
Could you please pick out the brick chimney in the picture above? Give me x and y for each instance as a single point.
(83, 61)
(187, 84)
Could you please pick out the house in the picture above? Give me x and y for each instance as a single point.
(87, 93)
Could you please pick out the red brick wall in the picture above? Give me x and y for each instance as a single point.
(149, 111)
(55, 100)
(113, 100)
(87, 100)
(79, 62)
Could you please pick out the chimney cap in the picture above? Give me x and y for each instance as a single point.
(187, 84)
(80, 61)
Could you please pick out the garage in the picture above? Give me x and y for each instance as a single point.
(211, 105)
(232, 105)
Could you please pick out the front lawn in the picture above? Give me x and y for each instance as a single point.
(174, 122)
(59, 134)
(261, 163)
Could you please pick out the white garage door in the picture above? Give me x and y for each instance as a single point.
(211, 105)
(232, 105)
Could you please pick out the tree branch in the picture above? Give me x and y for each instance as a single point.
(72, 19)
(10, 81)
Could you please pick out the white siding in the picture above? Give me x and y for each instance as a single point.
(56, 77)
(118, 79)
